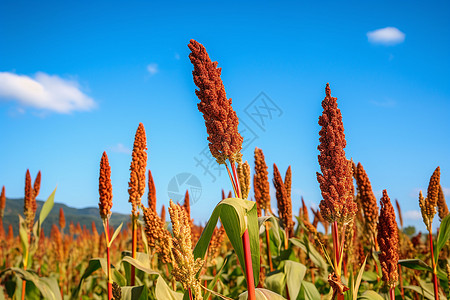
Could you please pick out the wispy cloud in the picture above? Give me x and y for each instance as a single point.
(120, 148)
(177, 56)
(413, 215)
(446, 191)
(385, 103)
(386, 36)
(152, 68)
(44, 92)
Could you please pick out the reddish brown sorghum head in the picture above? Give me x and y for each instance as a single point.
(2, 202)
(151, 192)
(62, 219)
(37, 185)
(336, 180)
(388, 241)
(29, 202)
(105, 188)
(441, 204)
(368, 201)
(221, 120)
(428, 204)
(163, 214)
(261, 186)
(288, 182)
(136, 186)
(284, 203)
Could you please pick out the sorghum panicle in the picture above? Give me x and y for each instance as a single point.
(336, 180)
(105, 188)
(62, 219)
(441, 204)
(151, 192)
(186, 267)
(261, 185)
(136, 185)
(388, 241)
(428, 204)
(2, 202)
(368, 200)
(243, 171)
(221, 120)
(284, 204)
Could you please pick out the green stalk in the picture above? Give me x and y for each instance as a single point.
(245, 242)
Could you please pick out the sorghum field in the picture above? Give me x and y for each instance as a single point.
(248, 249)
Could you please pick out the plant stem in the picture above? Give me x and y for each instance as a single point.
(392, 293)
(433, 263)
(133, 248)
(337, 253)
(190, 294)
(245, 243)
(269, 256)
(25, 263)
(108, 260)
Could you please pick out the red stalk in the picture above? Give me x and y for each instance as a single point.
(392, 293)
(246, 244)
(109, 261)
(337, 253)
(435, 281)
(190, 294)
(133, 249)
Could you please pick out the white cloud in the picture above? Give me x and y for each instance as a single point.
(120, 148)
(177, 56)
(413, 215)
(45, 92)
(446, 191)
(152, 68)
(386, 36)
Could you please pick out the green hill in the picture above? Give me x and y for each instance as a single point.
(85, 216)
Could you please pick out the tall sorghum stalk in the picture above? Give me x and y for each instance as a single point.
(136, 186)
(29, 210)
(389, 244)
(336, 180)
(428, 210)
(225, 142)
(261, 189)
(105, 204)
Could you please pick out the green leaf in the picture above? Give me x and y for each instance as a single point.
(312, 253)
(443, 236)
(94, 265)
(263, 294)
(42, 284)
(140, 264)
(310, 291)
(295, 272)
(23, 233)
(276, 282)
(358, 280)
(47, 207)
(233, 212)
(134, 292)
(115, 234)
(202, 245)
(369, 276)
(163, 292)
(370, 295)
(215, 279)
(415, 264)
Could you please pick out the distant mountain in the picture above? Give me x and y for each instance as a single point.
(85, 216)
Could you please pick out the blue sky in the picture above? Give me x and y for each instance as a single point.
(77, 78)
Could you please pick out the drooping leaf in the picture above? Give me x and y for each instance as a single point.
(295, 272)
(262, 294)
(42, 284)
(163, 292)
(312, 253)
(415, 264)
(94, 265)
(370, 295)
(276, 282)
(140, 264)
(134, 292)
(309, 291)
